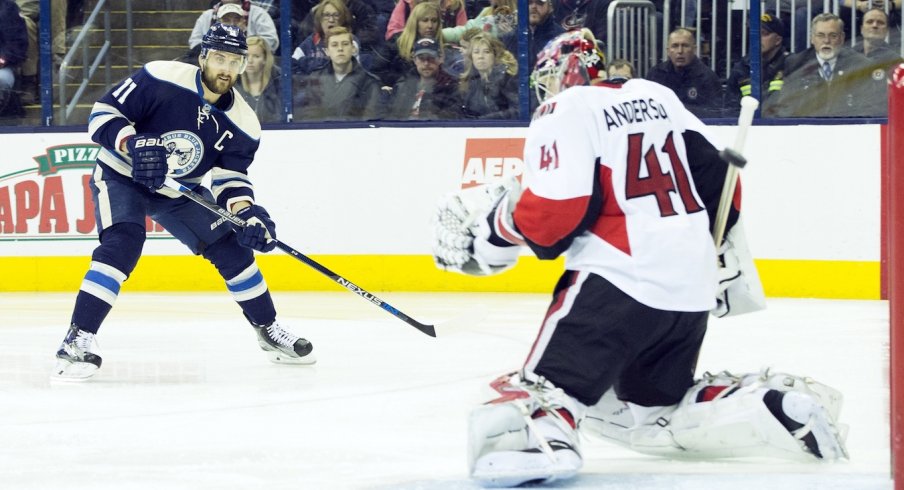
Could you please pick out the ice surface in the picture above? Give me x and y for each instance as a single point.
(186, 400)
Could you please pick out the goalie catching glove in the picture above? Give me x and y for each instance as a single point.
(474, 232)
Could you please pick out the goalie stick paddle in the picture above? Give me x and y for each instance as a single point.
(736, 161)
(227, 216)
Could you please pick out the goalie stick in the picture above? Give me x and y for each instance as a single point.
(736, 162)
(227, 216)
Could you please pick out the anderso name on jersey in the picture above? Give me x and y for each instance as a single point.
(637, 110)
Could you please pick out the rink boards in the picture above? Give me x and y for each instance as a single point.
(361, 200)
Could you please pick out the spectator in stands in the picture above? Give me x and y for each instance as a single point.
(427, 92)
(543, 27)
(397, 58)
(311, 55)
(31, 10)
(451, 13)
(802, 22)
(575, 14)
(363, 22)
(499, 20)
(620, 70)
(489, 86)
(772, 67)
(457, 66)
(259, 83)
(696, 85)
(254, 20)
(342, 90)
(829, 79)
(13, 48)
(874, 35)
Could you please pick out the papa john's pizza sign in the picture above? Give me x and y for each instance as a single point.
(489, 160)
(52, 200)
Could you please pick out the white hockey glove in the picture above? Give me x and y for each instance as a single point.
(740, 290)
(463, 234)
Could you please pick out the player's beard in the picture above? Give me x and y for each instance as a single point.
(217, 85)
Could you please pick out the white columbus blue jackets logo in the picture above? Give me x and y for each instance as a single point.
(184, 152)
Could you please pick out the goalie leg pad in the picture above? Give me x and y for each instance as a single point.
(526, 435)
(761, 415)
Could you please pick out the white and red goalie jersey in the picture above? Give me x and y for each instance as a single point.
(624, 180)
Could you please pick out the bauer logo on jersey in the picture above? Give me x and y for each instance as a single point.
(184, 152)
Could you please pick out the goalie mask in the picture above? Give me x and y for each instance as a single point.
(570, 59)
(228, 39)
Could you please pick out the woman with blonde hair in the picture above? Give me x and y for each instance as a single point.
(489, 87)
(424, 22)
(452, 13)
(259, 83)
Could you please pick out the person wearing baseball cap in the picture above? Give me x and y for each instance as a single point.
(427, 91)
(255, 22)
(772, 54)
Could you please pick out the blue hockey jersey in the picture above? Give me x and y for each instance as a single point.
(166, 98)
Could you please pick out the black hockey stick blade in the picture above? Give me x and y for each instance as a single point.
(227, 216)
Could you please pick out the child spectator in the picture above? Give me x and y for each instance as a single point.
(489, 88)
(259, 84)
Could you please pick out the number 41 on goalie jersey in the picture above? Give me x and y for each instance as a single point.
(617, 178)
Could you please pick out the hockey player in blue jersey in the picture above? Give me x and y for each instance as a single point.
(174, 119)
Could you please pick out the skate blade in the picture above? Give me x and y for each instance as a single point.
(73, 371)
(281, 358)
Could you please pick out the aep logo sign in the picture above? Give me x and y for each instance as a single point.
(490, 160)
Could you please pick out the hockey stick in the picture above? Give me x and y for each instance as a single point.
(736, 162)
(227, 216)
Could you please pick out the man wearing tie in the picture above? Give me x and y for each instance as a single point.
(829, 79)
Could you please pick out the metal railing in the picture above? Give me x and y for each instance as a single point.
(90, 66)
(631, 34)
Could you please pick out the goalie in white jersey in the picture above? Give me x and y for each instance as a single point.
(624, 181)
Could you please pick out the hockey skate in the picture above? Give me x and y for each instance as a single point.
(76, 359)
(282, 346)
(527, 435)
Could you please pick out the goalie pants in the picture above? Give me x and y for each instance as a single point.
(595, 337)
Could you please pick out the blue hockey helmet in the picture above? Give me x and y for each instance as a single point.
(224, 37)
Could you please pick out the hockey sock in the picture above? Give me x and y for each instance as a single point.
(260, 310)
(112, 262)
(96, 296)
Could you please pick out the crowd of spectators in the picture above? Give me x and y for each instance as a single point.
(456, 59)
